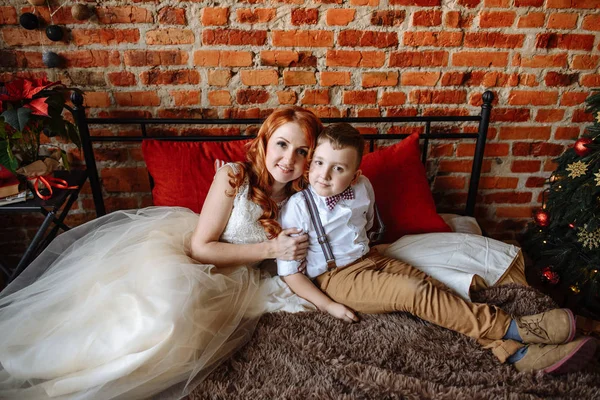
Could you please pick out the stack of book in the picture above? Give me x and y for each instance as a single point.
(10, 191)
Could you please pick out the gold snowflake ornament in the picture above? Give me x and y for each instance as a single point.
(598, 117)
(577, 169)
(597, 175)
(590, 240)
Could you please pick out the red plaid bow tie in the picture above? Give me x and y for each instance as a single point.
(347, 194)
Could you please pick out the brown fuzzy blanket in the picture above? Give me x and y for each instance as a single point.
(392, 356)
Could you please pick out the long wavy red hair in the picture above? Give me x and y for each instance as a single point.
(255, 168)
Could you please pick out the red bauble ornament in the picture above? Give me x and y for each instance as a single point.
(580, 147)
(549, 275)
(542, 218)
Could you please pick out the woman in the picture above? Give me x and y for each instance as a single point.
(134, 303)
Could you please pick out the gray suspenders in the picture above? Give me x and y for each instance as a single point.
(322, 237)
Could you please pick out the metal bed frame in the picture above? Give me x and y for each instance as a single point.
(83, 123)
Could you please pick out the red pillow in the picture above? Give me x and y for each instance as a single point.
(402, 192)
(184, 171)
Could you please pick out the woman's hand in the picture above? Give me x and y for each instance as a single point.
(290, 244)
(342, 312)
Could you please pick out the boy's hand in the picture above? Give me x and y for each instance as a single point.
(342, 312)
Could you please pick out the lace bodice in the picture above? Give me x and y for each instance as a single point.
(243, 225)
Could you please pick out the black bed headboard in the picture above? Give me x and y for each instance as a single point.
(83, 123)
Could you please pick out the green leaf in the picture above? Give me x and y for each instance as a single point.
(6, 157)
(17, 118)
(65, 160)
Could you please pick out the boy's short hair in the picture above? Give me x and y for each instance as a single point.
(341, 135)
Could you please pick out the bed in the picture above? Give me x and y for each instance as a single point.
(311, 355)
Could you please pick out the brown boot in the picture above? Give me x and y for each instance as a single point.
(557, 358)
(552, 327)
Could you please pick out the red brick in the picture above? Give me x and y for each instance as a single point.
(540, 61)
(187, 113)
(584, 61)
(105, 37)
(566, 133)
(325, 111)
(263, 77)
(124, 15)
(437, 39)
(169, 36)
(454, 19)
(491, 150)
(138, 58)
(438, 96)
(122, 78)
(96, 99)
(367, 113)
(525, 166)
(288, 58)
(305, 16)
(570, 41)
(498, 182)
(590, 80)
(510, 114)
(469, 3)
(573, 98)
(360, 97)
(529, 3)
(319, 96)
(480, 59)
(137, 99)
(375, 79)
(220, 98)
(347, 58)
(419, 59)
(8, 16)
(417, 3)
(420, 78)
(553, 78)
(510, 197)
(252, 96)
(532, 20)
(287, 97)
(562, 21)
(514, 212)
(334, 78)
(234, 37)
(450, 183)
(215, 16)
(582, 116)
(185, 97)
(535, 182)
(21, 37)
(462, 166)
(496, 19)
(524, 132)
(215, 58)
(172, 16)
(372, 3)
(295, 78)
(353, 38)
(591, 22)
(427, 18)
(255, 16)
(171, 77)
(91, 58)
(494, 39)
(401, 112)
(537, 149)
(553, 115)
(125, 180)
(536, 98)
(572, 4)
(339, 16)
(219, 77)
(302, 38)
(388, 17)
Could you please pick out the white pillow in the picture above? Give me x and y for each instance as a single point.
(462, 224)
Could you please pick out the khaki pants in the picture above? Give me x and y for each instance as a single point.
(377, 284)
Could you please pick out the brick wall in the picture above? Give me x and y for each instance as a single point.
(339, 58)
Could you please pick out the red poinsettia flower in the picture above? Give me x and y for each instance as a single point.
(24, 89)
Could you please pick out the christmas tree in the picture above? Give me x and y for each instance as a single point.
(564, 237)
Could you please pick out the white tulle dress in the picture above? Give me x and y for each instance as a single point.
(116, 308)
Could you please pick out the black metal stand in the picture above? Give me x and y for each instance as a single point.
(51, 209)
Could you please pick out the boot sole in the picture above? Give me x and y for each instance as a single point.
(575, 360)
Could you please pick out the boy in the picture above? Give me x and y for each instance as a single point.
(363, 280)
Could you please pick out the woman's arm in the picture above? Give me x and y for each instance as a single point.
(205, 245)
(303, 287)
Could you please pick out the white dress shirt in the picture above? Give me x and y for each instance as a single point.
(346, 227)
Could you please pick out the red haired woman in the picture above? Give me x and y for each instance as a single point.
(136, 302)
